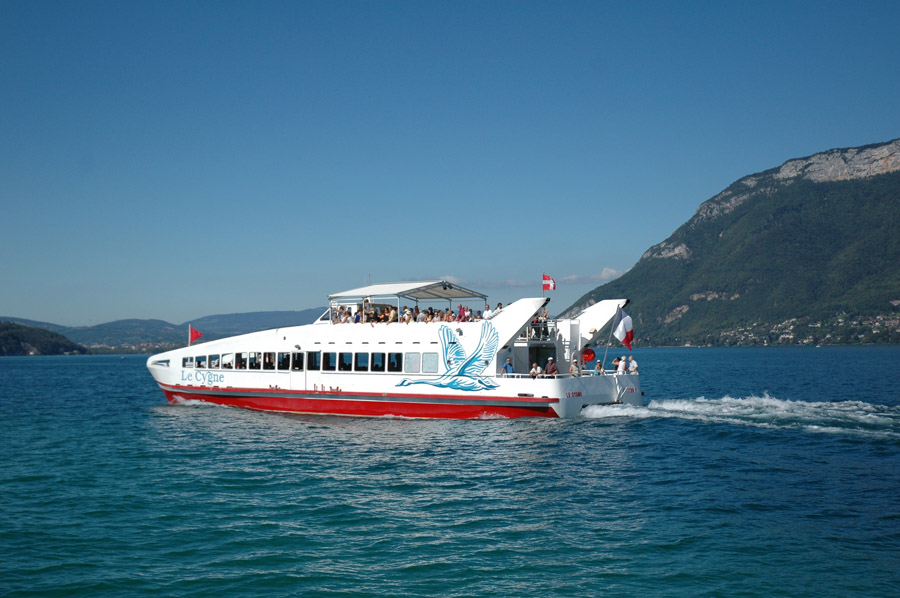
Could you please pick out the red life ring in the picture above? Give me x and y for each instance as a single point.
(588, 355)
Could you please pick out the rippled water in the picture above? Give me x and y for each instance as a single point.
(750, 472)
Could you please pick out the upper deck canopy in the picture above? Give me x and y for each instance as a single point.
(413, 291)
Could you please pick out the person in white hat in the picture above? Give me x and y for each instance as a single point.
(551, 369)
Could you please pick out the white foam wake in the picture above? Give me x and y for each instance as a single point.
(843, 417)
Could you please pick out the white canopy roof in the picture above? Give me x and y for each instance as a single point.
(414, 291)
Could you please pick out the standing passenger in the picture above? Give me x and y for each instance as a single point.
(551, 369)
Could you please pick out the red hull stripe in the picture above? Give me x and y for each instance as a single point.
(361, 404)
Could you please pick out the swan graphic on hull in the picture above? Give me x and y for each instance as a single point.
(464, 372)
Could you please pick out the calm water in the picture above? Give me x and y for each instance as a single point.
(750, 472)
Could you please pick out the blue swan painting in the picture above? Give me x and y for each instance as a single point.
(463, 372)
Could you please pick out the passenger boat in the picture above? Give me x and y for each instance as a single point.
(437, 369)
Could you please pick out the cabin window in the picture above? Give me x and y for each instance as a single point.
(255, 360)
(314, 360)
(268, 361)
(228, 361)
(345, 362)
(201, 362)
(213, 362)
(362, 362)
(395, 362)
(429, 363)
(412, 363)
(297, 362)
(240, 361)
(329, 362)
(187, 362)
(284, 361)
(377, 362)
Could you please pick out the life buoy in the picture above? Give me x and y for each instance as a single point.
(588, 355)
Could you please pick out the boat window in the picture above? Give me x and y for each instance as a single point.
(284, 361)
(201, 361)
(345, 362)
(268, 361)
(297, 363)
(429, 363)
(187, 362)
(240, 361)
(377, 362)
(412, 363)
(314, 360)
(255, 360)
(395, 362)
(228, 361)
(213, 362)
(362, 362)
(329, 362)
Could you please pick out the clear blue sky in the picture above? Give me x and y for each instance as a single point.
(179, 159)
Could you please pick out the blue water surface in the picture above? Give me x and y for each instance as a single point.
(749, 472)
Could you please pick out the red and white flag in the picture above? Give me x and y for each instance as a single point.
(622, 328)
(549, 283)
(193, 334)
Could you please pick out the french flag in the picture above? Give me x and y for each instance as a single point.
(549, 283)
(622, 329)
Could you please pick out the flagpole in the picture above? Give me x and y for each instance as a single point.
(612, 327)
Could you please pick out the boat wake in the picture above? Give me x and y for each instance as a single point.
(842, 417)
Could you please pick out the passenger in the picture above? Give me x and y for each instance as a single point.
(615, 364)
(421, 315)
(551, 370)
(620, 369)
(478, 316)
(392, 317)
(468, 314)
(487, 314)
(507, 368)
(632, 365)
(535, 371)
(461, 315)
(598, 367)
(574, 369)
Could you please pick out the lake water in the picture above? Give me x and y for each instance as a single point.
(750, 472)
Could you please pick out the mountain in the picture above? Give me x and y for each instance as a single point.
(805, 253)
(154, 335)
(231, 324)
(16, 339)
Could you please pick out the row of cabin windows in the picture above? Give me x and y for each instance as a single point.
(426, 363)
